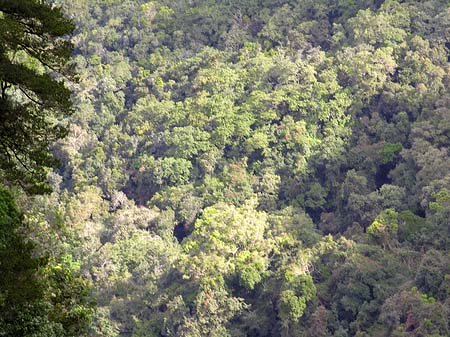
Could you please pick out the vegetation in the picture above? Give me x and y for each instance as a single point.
(32, 101)
(42, 293)
(236, 168)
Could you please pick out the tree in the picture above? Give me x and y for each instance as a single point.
(39, 296)
(34, 59)
(229, 240)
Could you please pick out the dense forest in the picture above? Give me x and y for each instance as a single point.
(214, 168)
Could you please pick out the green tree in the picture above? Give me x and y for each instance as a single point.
(39, 296)
(33, 100)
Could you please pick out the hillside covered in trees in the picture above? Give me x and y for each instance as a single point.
(243, 168)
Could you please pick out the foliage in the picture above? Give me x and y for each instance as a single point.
(33, 102)
(38, 296)
(256, 168)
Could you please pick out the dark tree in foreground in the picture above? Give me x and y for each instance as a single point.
(34, 60)
(40, 294)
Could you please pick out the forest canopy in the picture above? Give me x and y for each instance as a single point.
(245, 168)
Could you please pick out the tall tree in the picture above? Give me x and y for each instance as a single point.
(34, 60)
